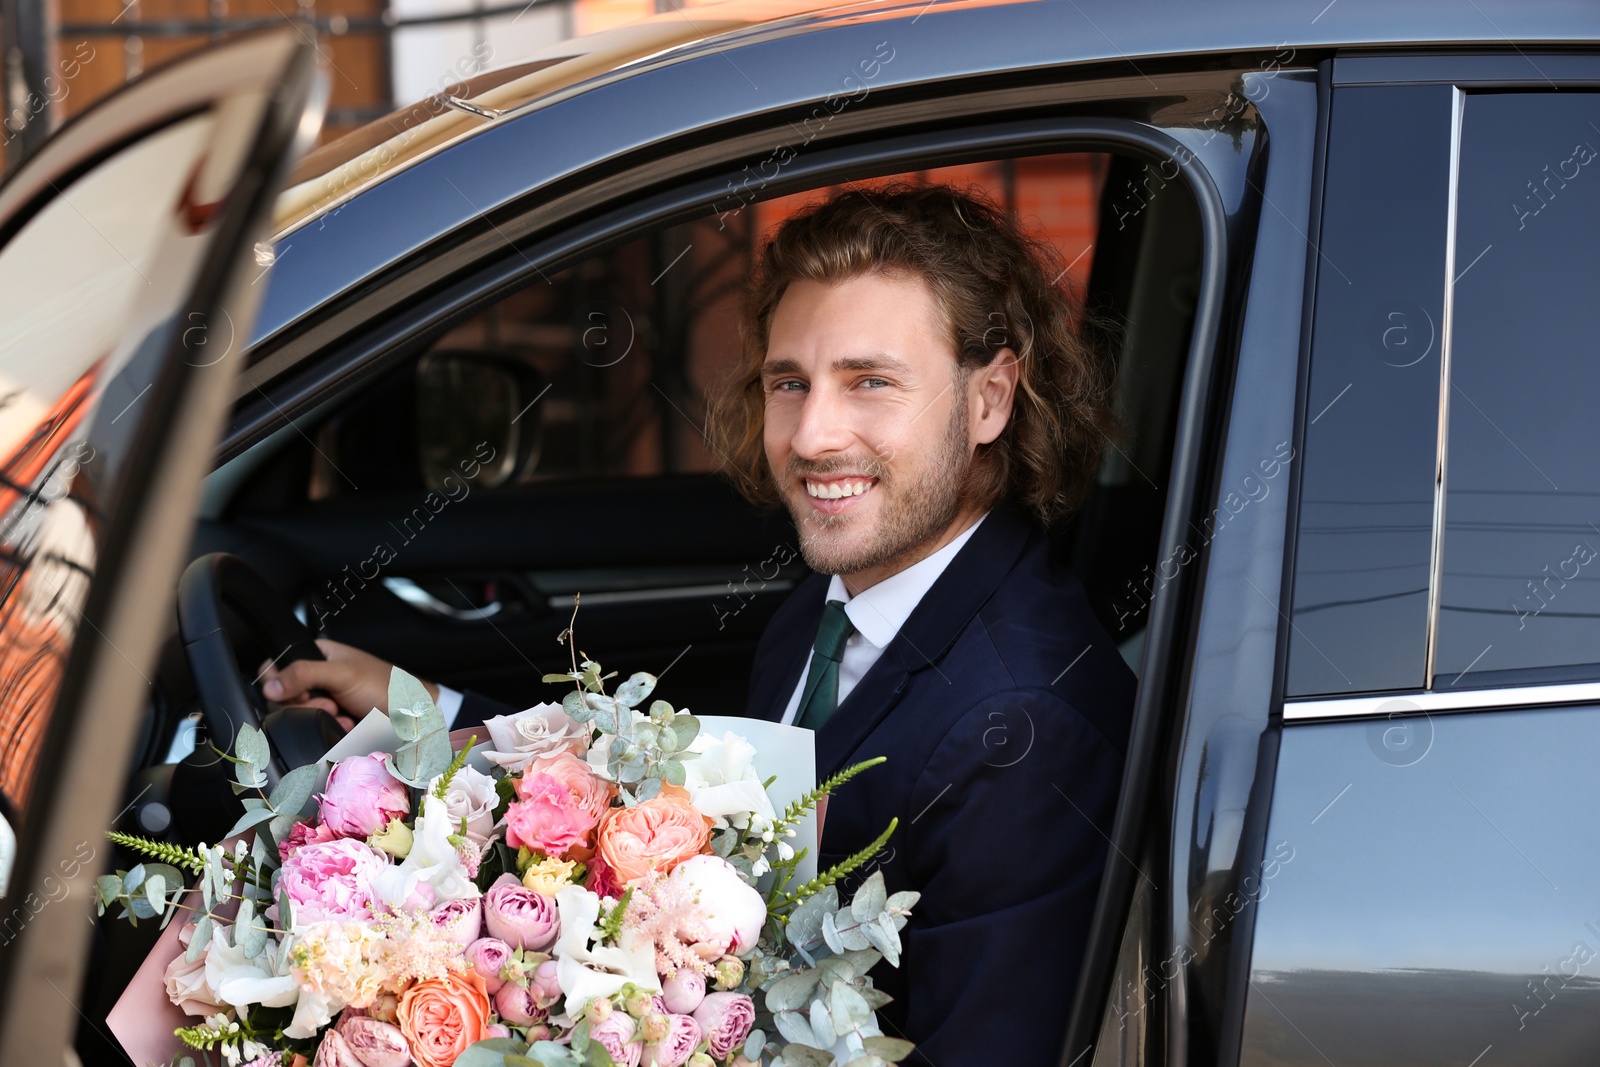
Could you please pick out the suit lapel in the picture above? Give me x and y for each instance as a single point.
(933, 625)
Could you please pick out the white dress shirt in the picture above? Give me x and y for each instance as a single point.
(877, 614)
(449, 703)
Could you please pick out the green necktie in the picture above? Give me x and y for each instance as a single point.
(821, 694)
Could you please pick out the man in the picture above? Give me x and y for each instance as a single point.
(912, 392)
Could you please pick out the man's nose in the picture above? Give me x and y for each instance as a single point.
(823, 426)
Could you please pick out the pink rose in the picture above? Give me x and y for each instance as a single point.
(602, 880)
(374, 1043)
(332, 880)
(334, 1051)
(362, 796)
(186, 982)
(548, 819)
(683, 1035)
(486, 956)
(592, 793)
(616, 1035)
(683, 992)
(546, 987)
(302, 833)
(519, 916)
(515, 1004)
(458, 920)
(725, 1019)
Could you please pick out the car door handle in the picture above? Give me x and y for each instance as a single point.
(428, 604)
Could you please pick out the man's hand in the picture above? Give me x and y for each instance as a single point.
(356, 681)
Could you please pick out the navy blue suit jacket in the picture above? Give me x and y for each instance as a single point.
(1003, 708)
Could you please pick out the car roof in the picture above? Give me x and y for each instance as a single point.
(1084, 31)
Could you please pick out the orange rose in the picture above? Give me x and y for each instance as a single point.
(440, 1017)
(653, 835)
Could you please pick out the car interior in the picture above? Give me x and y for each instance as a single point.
(450, 513)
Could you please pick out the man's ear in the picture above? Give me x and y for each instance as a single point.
(991, 390)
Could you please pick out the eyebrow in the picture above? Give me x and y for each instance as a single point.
(776, 367)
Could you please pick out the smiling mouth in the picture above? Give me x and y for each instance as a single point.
(839, 488)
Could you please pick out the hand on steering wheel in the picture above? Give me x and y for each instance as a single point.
(355, 682)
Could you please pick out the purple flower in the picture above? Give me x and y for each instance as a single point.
(518, 916)
(458, 920)
(374, 1043)
(725, 1019)
(683, 1035)
(486, 956)
(684, 991)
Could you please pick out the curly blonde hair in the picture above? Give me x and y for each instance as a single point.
(995, 287)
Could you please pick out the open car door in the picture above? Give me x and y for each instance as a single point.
(126, 300)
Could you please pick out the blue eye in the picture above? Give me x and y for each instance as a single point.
(878, 381)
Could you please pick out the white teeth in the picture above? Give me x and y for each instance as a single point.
(835, 490)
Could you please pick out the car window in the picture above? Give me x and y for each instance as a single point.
(605, 365)
(1360, 600)
(1520, 582)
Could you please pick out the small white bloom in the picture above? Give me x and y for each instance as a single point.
(785, 851)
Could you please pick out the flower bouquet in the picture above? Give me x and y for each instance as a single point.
(603, 885)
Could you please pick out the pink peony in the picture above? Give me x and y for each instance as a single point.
(548, 818)
(683, 992)
(725, 1019)
(332, 880)
(302, 833)
(546, 987)
(186, 982)
(496, 1030)
(486, 956)
(518, 916)
(516, 1005)
(616, 1035)
(458, 920)
(375, 1043)
(683, 1035)
(362, 796)
(334, 1051)
(729, 907)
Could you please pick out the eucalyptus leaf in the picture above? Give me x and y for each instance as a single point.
(631, 693)
(575, 708)
(753, 1044)
(798, 1055)
(285, 910)
(251, 747)
(660, 709)
(847, 1007)
(649, 788)
(133, 879)
(605, 720)
(418, 722)
(155, 889)
(294, 789)
(791, 992)
(199, 939)
(822, 1024)
(550, 1054)
(685, 728)
(884, 938)
(109, 888)
(875, 997)
(673, 772)
(794, 1026)
(724, 842)
(557, 679)
(248, 934)
(646, 736)
(869, 899)
(831, 935)
(249, 819)
(893, 1049)
(221, 881)
(490, 1053)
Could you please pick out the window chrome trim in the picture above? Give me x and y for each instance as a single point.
(1446, 335)
(1374, 705)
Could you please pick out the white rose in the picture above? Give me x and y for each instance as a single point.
(722, 780)
(729, 908)
(471, 796)
(542, 730)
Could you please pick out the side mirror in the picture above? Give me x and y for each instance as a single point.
(468, 397)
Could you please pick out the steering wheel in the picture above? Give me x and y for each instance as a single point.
(225, 605)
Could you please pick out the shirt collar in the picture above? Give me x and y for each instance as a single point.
(879, 611)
